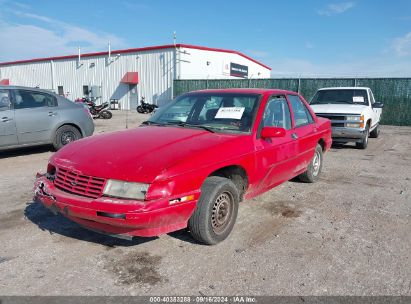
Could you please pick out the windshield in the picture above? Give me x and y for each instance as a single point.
(226, 112)
(340, 96)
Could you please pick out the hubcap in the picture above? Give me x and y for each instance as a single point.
(68, 137)
(221, 213)
(316, 163)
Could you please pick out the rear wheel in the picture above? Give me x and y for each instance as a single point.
(314, 168)
(216, 211)
(376, 132)
(364, 142)
(65, 135)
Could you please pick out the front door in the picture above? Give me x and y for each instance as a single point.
(375, 112)
(133, 97)
(276, 156)
(8, 133)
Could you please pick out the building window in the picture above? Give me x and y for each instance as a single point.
(85, 90)
(60, 90)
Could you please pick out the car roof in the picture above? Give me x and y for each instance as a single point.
(24, 88)
(245, 91)
(344, 88)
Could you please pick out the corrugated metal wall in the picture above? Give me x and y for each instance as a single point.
(395, 93)
(155, 69)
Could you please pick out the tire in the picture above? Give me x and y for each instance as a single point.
(106, 114)
(140, 109)
(376, 132)
(314, 168)
(216, 211)
(364, 142)
(65, 135)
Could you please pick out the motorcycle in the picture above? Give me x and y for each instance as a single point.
(146, 107)
(98, 111)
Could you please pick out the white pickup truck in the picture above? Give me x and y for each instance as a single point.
(353, 111)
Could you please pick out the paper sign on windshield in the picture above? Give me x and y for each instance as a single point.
(230, 112)
(358, 99)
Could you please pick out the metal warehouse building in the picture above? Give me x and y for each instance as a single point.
(127, 75)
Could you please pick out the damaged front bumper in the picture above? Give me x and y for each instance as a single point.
(116, 217)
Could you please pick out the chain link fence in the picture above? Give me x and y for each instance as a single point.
(395, 93)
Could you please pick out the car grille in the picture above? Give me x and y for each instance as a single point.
(79, 184)
(336, 120)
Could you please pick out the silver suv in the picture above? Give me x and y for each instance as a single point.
(31, 117)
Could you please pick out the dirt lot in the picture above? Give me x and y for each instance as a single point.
(348, 234)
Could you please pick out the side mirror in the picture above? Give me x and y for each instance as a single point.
(270, 132)
(378, 105)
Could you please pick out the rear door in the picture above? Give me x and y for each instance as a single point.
(304, 131)
(36, 114)
(276, 157)
(8, 133)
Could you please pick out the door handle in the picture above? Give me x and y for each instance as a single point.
(52, 113)
(294, 136)
(6, 119)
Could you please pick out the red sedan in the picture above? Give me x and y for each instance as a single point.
(190, 164)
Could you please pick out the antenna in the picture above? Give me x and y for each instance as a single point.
(174, 38)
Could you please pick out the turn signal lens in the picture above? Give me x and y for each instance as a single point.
(182, 199)
(362, 121)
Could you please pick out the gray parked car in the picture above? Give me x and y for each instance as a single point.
(31, 117)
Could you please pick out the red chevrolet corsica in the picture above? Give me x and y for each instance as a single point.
(190, 164)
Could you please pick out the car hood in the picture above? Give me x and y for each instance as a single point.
(338, 108)
(139, 154)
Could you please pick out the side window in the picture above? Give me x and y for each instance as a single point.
(31, 99)
(4, 100)
(302, 115)
(277, 114)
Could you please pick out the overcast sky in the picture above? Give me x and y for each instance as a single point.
(295, 38)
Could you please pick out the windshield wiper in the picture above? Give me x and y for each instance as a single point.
(183, 124)
(149, 123)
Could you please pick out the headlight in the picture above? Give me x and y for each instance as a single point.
(355, 121)
(123, 189)
(354, 118)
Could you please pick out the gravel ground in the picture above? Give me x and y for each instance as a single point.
(348, 234)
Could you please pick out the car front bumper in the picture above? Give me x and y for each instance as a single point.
(116, 217)
(347, 134)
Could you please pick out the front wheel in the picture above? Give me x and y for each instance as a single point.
(140, 109)
(314, 168)
(216, 211)
(65, 135)
(106, 114)
(364, 142)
